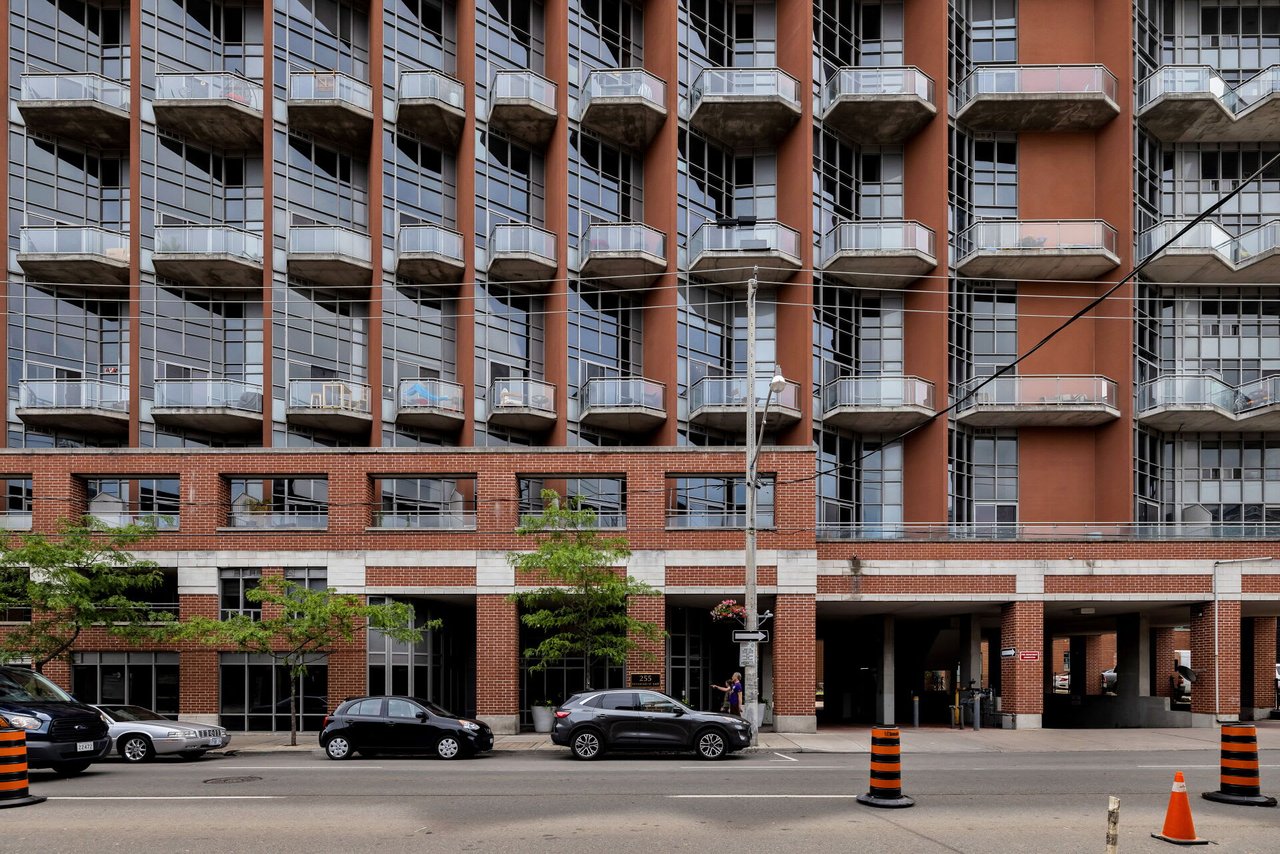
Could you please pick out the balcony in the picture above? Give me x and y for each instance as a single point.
(329, 255)
(432, 106)
(1037, 98)
(883, 254)
(332, 107)
(721, 402)
(726, 251)
(744, 107)
(522, 404)
(442, 519)
(1193, 103)
(1195, 403)
(630, 254)
(877, 404)
(626, 106)
(1039, 401)
(522, 253)
(523, 106)
(78, 254)
(625, 404)
(430, 404)
(878, 106)
(263, 517)
(87, 108)
(1071, 250)
(213, 256)
(218, 108)
(1208, 254)
(82, 406)
(14, 521)
(429, 254)
(216, 406)
(332, 405)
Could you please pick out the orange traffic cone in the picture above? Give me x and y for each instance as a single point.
(1178, 826)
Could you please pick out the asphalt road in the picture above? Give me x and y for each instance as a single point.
(545, 801)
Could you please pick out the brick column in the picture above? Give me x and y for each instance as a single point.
(497, 663)
(198, 688)
(1099, 654)
(794, 646)
(1163, 686)
(650, 656)
(1206, 693)
(1022, 682)
(1264, 667)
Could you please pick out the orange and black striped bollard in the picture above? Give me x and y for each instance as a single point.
(1238, 769)
(13, 769)
(886, 772)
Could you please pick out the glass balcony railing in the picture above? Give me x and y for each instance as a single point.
(1037, 80)
(73, 394)
(73, 240)
(1045, 235)
(1201, 390)
(208, 393)
(1012, 391)
(330, 394)
(624, 83)
(520, 239)
(90, 88)
(1066, 531)
(877, 81)
(878, 237)
(522, 86)
(13, 521)
(211, 86)
(209, 240)
(877, 391)
(436, 395)
(268, 518)
(762, 237)
(1205, 80)
(326, 86)
(425, 239)
(427, 519)
(624, 237)
(431, 86)
(512, 393)
(732, 391)
(739, 83)
(1209, 237)
(328, 240)
(622, 393)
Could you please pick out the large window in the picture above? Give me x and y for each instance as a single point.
(985, 482)
(1234, 335)
(1194, 177)
(606, 497)
(715, 501)
(993, 34)
(1237, 38)
(147, 679)
(254, 693)
(233, 585)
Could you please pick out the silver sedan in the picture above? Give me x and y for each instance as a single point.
(140, 735)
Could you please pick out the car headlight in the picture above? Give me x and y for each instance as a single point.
(24, 721)
(173, 733)
(106, 720)
(470, 725)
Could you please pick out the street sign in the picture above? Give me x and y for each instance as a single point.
(753, 636)
(1029, 655)
(1008, 652)
(746, 654)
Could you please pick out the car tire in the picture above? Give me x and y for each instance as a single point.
(586, 744)
(711, 744)
(135, 747)
(70, 769)
(449, 747)
(338, 748)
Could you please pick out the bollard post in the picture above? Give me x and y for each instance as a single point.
(977, 711)
(915, 710)
(1113, 824)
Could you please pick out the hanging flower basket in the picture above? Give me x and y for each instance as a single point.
(729, 609)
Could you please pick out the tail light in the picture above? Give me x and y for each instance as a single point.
(327, 718)
(562, 713)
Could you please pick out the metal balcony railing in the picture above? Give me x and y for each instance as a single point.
(513, 393)
(710, 519)
(882, 80)
(1209, 237)
(524, 85)
(1205, 80)
(1067, 531)
(431, 85)
(744, 83)
(1036, 234)
(430, 394)
(427, 239)
(877, 391)
(761, 237)
(442, 519)
(209, 240)
(328, 240)
(1065, 391)
(208, 393)
(94, 88)
(519, 238)
(209, 86)
(909, 236)
(622, 392)
(344, 395)
(73, 394)
(272, 519)
(1037, 80)
(1201, 390)
(732, 391)
(73, 240)
(624, 237)
(624, 83)
(15, 521)
(324, 86)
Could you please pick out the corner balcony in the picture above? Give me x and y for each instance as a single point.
(522, 106)
(334, 406)
(625, 404)
(430, 404)
(727, 250)
(522, 253)
(76, 254)
(1193, 103)
(884, 254)
(331, 106)
(1208, 254)
(1039, 401)
(744, 107)
(428, 254)
(878, 106)
(626, 106)
(432, 106)
(82, 406)
(329, 255)
(87, 108)
(1072, 250)
(218, 108)
(877, 404)
(214, 256)
(216, 406)
(629, 254)
(1197, 403)
(721, 403)
(520, 404)
(1037, 98)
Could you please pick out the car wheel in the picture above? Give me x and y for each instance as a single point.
(448, 747)
(70, 769)
(586, 744)
(136, 748)
(711, 744)
(338, 748)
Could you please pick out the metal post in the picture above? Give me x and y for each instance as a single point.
(977, 710)
(751, 672)
(915, 710)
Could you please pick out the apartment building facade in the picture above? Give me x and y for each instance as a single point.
(336, 289)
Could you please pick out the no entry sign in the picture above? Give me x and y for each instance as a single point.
(1029, 655)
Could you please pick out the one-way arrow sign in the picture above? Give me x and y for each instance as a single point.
(743, 636)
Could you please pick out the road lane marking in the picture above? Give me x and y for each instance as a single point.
(737, 768)
(723, 797)
(784, 756)
(166, 797)
(1181, 767)
(335, 766)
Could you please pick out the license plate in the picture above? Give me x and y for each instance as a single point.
(216, 742)
(84, 746)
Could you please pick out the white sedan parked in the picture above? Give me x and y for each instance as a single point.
(140, 735)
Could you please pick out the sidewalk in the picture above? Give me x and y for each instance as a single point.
(858, 740)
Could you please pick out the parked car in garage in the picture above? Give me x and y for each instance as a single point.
(62, 733)
(592, 723)
(372, 725)
(140, 734)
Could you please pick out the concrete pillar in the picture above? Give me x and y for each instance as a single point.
(1218, 686)
(497, 663)
(884, 690)
(1133, 656)
(794, 673)
(1022, 682)
(1081, 679)
(1262, 672)
(970, 652)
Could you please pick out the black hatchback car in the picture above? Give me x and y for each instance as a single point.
(62, 734)
(372, 725)
(596, 721)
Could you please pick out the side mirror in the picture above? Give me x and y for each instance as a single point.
(422, 716)
(679, 710)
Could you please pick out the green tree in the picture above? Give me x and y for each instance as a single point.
(299, 623)
(80, 578)
(582, 608)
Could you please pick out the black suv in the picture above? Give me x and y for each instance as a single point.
(62, 734)
(371, 725)
(593, 722)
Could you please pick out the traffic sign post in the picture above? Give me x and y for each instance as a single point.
(750, 636)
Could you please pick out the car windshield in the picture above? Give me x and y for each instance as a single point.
(132, 713)
(434, 709)
(29, 686)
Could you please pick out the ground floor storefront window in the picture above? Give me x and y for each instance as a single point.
(147, 679)
(254, 692)
(440, 667)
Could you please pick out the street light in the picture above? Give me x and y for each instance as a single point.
(1217, 682)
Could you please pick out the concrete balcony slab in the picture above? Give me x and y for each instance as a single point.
(209, 419)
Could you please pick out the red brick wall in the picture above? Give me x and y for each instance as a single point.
(1264, 662)
(420, 576)
(1099, 654)
(794, 647)
(198, 682)
(497, 656)
(1164, 643)
(1228, 662)
(1022, 682)
(651, 609)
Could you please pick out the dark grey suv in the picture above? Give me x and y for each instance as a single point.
(593, 722)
